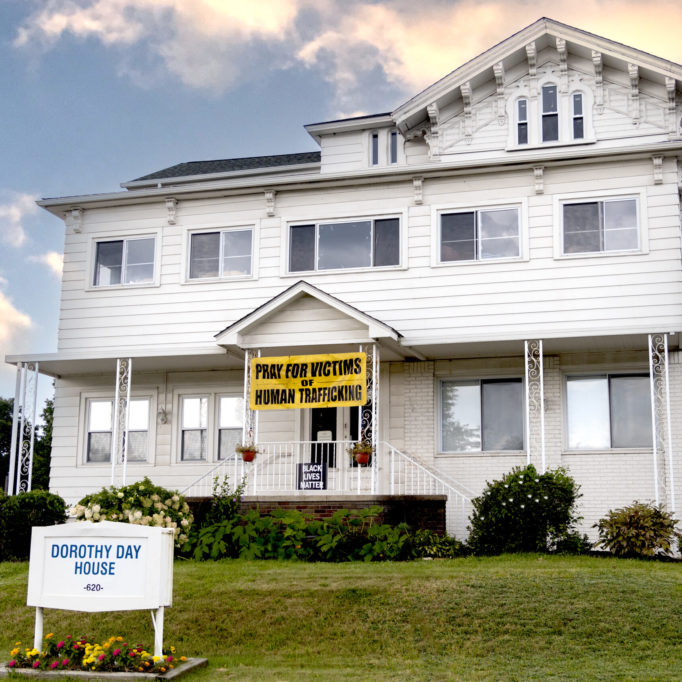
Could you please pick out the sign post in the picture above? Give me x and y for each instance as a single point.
(102, 566)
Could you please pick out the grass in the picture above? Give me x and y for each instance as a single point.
(505, 618)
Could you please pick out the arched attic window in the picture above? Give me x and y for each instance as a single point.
(550, 113)
(577, 116)
(522, 121)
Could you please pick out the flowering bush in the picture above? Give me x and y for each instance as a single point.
(114, 655)
(142, 503)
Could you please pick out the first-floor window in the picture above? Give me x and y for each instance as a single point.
(230, 418)
(220, 254)
(194, 425)
(600, 226)
(480, 234)
(100, 429)
(124, 261)
(608, 411)
(482, 415)
(352, 244)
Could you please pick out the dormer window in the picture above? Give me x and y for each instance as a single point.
(578, 121)
(393, 146)
(374, 149)
(550, 114)
(522, 121)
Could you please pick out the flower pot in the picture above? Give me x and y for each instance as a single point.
(362, 458)
(248, 455)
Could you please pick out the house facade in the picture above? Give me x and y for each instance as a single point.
(503, 250)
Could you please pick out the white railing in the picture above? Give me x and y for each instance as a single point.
(390, 472)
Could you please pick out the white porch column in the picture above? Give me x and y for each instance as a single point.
(535, 404)
(250, 421)
(661, 422)
(369, 413)
(119, 435)
(23, 429)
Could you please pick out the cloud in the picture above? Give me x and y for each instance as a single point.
(371, 53)
(53, 260)
(12, 215)
(12, 322)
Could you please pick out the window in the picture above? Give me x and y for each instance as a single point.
(393, 146)
(550, 114)
(578, 121)
(353, 244)
(374, 149)
(608, 411)
(100, 426)
(125, 261)
(230, 416)
(226, 253)
(480, 416)
(600, 226)
(194, 423)
(522, 121)
(479, 235)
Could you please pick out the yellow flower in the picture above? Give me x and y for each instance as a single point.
(14, 652)
(49, 634)
(183, 658)
(119, 639)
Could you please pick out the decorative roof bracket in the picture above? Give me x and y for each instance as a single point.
(633, 72)
(466, 99)
(658, 169)
(76, 219)
(171, 207)
(532, 55)
(498, 70)
(270, 202)
(539, 173)
(433, 137)
(670, 86)
(563, 64)
(598, 80)
(418, 187)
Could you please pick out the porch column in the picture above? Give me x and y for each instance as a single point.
(535, 404)
(119, 435)
(250, 421)
(369, 412)
(23, 429)
(661, 423)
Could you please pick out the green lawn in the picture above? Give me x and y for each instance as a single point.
(505, 618)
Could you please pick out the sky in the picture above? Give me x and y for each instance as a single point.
(99, 92)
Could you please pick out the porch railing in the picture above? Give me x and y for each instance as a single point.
(389, 472)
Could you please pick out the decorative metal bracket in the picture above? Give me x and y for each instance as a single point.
(535, 403)
(250, 420)
(23, 428)
(369, 412)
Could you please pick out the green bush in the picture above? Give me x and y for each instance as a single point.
(429, 544)
(142, 503)
(641, 529)
(524, 512)
(19, 513)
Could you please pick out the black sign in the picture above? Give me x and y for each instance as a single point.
(312, 476)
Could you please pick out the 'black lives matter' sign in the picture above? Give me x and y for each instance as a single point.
(312, 476)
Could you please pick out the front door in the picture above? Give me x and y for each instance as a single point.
(329, 424)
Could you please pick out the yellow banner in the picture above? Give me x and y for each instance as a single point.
(298, 381)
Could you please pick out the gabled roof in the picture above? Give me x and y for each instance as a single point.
(220, 166)
(512, 50)
(376, 328)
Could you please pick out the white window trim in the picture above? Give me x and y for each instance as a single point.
(578, 372)
(637, 193)
(225, 226)
(177, 430)
(384, 141)
(124, 236)
(348, 217)
(483, 375)
(216, 420)
(438, 210)
(83, 412)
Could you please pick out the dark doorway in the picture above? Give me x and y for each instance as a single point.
(323, 430)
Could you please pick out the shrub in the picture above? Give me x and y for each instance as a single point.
(19, 513)
(429, 544)
(641, 529)
(524, 512)
(142, 503)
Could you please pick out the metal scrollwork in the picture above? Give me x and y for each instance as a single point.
(23, 428)
(535, 402)
(120, 428)
(249, 422)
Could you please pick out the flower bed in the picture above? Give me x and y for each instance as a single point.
(114, 655)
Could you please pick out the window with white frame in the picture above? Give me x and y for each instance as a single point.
(601, 226)
(481, 415)
(393, 146)
(480, 234)
(550, 113)
(522, 121)
(608, 411)
(100, 428)
(374, 149)
(578, 120)
(221, 253)
(124, 261)
(338, 245)
(230, 418)
(193, 428)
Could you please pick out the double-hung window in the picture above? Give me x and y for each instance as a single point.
(522, 121)
(550, 113)
(340, 245)
(600, 226)
(578, 119)
(608, 411)
(480, 234)
(194, 428)
(230, 416)
(100, 427)
(124, 261)
(482, 415)
(224, 253)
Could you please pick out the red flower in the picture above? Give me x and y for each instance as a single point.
(65, 661)
(12, 663)
(54, 664)
(60, 645)
(116, 652)
(36, 664)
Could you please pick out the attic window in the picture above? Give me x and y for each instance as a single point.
(374, 149)
(578, 121)
(550, 114)
(393, 146)
(522, 121)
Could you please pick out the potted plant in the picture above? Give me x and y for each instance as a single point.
(361, 451)
(248, 451)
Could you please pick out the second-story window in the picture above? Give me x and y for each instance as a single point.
(522, 121)
(600, 226)
(393, 146)
(341, 245)
(124, 261)
(374, 149)
(550, 114)
(578, 120)
(225, 253)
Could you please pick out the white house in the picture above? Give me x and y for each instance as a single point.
(504, 248)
